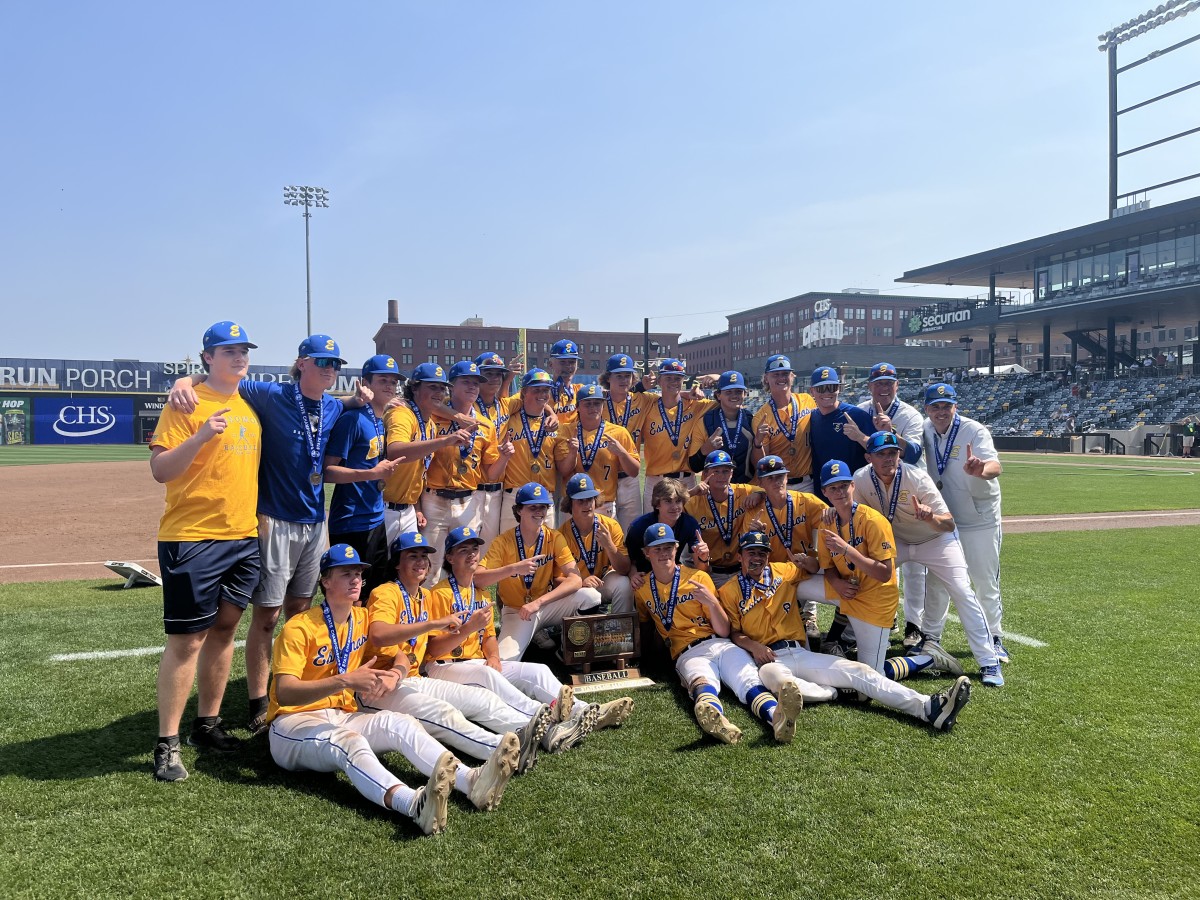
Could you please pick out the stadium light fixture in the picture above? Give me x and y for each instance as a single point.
(308, 197)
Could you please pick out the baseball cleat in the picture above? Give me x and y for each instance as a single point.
(791, 702)
(167, 764)
(912, 636)
(1001, 650)
(569, 734)
(257, 725)
(213, 737)
(834, 648)
(530, 737)
(490, 779)
(714, 724)
(812, 631)
(942, 661)
(564, 704)
(430, 803)
(945, 707)
(614, 713)
(991, 676)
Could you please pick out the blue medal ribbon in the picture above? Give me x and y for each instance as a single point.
(895, 498)
(535, 448)
(768, 585)
(725, 526)
(794, 415)
(467, 606)
(943, 459)
(312, 435)
(732, 443)
(666, 614)
(408, 616)
(537, 551)
(853, 510)
(341, 655)
(784, 535)
(421, 426)
(587, 455)
(672, 433)
(622, 420)
(588, 557)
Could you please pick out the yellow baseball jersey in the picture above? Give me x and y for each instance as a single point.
(442, 604)
(806, 520)
(565, 406)
(870, 533)
(605, 465)
(503, 552)
(603, 563)
(386, 605)
(495, 412)
(446, 471)
(303, 649)
(795, 453)
(722, 552)
(765, 610)
(523, 467)
(407, 479)
(628, 413)
(216, 498)
(661, 455)
(689, 621)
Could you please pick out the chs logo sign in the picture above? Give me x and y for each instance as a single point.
(84, 421)
(107, 420)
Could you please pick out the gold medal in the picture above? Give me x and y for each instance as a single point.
(463, 468)
(315, 478)
(535, 468)
(528, 598)
(457, 652)
(792, 451)
(678, 454)
(412, 660)
(853, 579)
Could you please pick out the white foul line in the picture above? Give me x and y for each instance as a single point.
(116, 654)
(1010, 635)
(1087, 517)
(58, 564)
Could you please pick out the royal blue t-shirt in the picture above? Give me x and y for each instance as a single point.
(687, 532)
(357, 442)
(827, 441)
(284, 489)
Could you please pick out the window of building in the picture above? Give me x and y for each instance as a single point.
(876, 331)
(875, 315)
(1188, 333)
(887, 315)
(1171, 334)
(887, 332)
(431, 343)
(483, 344)
(594, 364)
(432, 358)
(449, 343)
(466, 343)
(406, 359)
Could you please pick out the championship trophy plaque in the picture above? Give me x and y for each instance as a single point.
(601, 647)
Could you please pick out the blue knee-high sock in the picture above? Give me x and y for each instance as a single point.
(706, 693)
(897, 668)
(762, 703)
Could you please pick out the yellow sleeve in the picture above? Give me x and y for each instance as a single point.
(384, 606)
(877, 536)
(730, 596)
(292, 649)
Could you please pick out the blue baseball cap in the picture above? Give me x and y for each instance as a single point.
(536, 378)
(754, 539)
(940, 393)
(320, 346)
(778, 363)
(464, 535)
(465, 369)
(487, 361)
(659, 533)
(430, 372)
(718, 458)
(340, 555)
(824, 375)
(619, 363)
(731, 380)
(565, 350)
(533, 494)
(580, 487)
(882, 440)
(222, 334)
(381, 364)
(834, 471)
(671, 367)
(771, 465)
(410, 540)
(882, 372)
(591, 391)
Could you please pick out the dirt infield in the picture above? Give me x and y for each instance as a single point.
(64, 521)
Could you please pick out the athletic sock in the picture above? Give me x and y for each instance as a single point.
(206, 721)
(258, 706)
(171, 740)
(840, 621)
(762, 703)
(706, 693)
(897, 668)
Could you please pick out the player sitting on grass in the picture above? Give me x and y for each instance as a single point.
(316, 725)
(598, 545)
(683, 606)
(765, 622)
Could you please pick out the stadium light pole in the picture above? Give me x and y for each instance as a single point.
(308, 197)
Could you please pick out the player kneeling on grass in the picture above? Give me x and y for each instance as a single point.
(765, 621)
(316, 725)
(683, 606)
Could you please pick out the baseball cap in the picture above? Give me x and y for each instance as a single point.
(465, 369)
(771, 465)
(320, 346)
(658, 533)
(882, 440)
(589, 392)
(778, 363)
(223, 333)
(410, 540)
(882, 372)
(340, 555)
(717, 459)
(619, 363)
(824, 375)
(381, 364)
(834, 471)
(671, 367)
(565, 350)
(940, 393)
(730, 380)
(756, 539)
(464, 535)
(533, 494)
(536, 378)
(580, 487)
(487, 361)
(430, 372)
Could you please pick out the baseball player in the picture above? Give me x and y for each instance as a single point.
(356, 463)
(208, 549)
(399, 627)
(532, 429)
(924, 532)
(597, 448)
(719, 509)
(564, 362)
(683, 607)
(316, 725)
(598, 545)
(665, 428)
(667, 508)
(890, 413)
(964, 462)
(625, 408)
(765, 622)
(827, 425)
(497, 378)
(780, 426)
(727, 426)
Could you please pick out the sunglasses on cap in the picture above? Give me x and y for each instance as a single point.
(326, 363)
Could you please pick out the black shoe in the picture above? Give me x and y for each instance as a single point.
(167, 764)
(912, 636)
(257, 725)
(213, 737)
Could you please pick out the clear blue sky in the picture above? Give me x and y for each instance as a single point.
(529, 160)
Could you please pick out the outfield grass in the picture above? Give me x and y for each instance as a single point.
(1076, 780)
(40, 455)
(1040, 485)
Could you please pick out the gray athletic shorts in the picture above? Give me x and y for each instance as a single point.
(291, 559)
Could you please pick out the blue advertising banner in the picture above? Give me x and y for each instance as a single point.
(83, 420)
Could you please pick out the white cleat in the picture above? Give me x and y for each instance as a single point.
(614, 713)
(490, 779)
(564, 704)
(716, 725)
(429, 808)
(942, 661)
(790, 704)
(531, 736)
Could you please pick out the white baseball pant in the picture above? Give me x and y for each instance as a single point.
(629, 501)
(948, 579)
(399, 521)
(428, 701)
(442, 515)
(488, 510)
(523, 686)
(835, 672)
(614, 589)
(516, 633)
(718, 661)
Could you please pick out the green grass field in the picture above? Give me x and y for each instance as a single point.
(40, 455)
